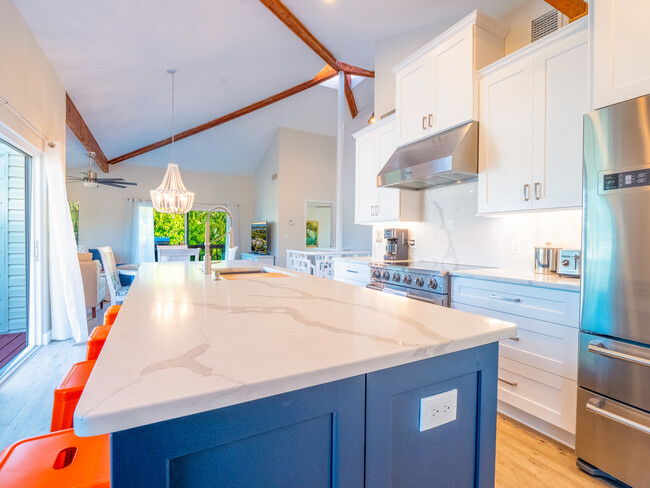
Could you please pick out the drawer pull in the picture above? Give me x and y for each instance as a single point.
(505, 299)
(599, 348)
(424, 123)
(352, 271)
(594, 405)
(511, 383)
(515, 338)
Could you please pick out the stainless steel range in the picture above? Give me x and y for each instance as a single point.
(420, 280)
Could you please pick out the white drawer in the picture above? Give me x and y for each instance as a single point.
(350, 282)
(559, 307)
(359, 272)
(544, 395)
(543, 345)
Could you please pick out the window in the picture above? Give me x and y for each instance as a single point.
(74, 213)
(190, 229)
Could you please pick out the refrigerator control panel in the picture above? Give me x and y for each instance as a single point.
(625, 179)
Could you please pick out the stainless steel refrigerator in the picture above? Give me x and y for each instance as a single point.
(613, 421)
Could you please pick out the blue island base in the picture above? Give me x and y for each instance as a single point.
(357, 432)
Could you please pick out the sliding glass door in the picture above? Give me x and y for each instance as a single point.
(14, 243)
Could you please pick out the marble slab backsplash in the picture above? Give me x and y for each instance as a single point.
(450, 231)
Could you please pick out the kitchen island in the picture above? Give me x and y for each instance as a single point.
(284, 379)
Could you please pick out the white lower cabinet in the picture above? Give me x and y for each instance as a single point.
(351, 273)
(537, 368)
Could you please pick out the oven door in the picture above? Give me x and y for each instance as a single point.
(422, 296)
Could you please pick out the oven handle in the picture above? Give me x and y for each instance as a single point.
(594, 405)
(373, 287)
(422, 299)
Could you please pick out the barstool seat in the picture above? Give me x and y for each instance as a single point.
(66, 395)
(57, 460)
(111, 314)
(96, 341)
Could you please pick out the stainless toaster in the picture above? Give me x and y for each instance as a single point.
(568, 262)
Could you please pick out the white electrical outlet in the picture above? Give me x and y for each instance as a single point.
(378, 236)
(516, 246)
(438, 409)
(412, 243)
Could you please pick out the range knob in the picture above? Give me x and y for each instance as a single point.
(433, 284)
(396, 277)
(419, 281)
(565, 262)
(406, 280)
(385, 275)
(376, 274)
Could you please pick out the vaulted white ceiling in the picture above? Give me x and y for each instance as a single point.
(112, 57)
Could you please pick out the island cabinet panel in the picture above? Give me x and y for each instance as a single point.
(459, 453)
(307, 438)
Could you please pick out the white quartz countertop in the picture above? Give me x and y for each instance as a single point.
(184, 343)
(523, 277)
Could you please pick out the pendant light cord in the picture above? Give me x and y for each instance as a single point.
(173, 73)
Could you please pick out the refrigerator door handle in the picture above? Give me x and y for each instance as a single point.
(597, 347)
(594, 405)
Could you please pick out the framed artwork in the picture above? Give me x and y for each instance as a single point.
(311, 238)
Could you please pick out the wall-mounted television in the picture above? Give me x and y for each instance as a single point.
(260, 237)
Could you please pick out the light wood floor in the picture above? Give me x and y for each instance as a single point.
(26, 398)
(526, 459)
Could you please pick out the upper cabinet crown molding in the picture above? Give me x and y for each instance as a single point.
(619, 39)
(475, 18)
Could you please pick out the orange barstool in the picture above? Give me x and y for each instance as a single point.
(96, 341)
(66, 395)
(57, 460)
(111, 314)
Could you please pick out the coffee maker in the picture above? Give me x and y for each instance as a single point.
(396, 244)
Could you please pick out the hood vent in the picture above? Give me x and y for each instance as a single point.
(445, 158)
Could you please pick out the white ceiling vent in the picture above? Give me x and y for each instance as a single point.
(545, 24)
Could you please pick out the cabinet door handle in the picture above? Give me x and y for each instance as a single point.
(424, 123)
(538, 193)
(511, 383)
(505, 299)
(377, 210)
(526, 192)
(430, 120)
(372, 210)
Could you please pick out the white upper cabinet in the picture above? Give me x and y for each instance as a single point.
(436, 87)
(619, 50)
(375, 145)
(530, 126)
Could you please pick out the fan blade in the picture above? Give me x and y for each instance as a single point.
(114, 185)
(73, 178)
(115, 180)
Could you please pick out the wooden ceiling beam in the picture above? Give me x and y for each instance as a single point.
(75, 121)
(354, 70)
(349, 96)
(325, 74)
(287, 17)
(574, 9)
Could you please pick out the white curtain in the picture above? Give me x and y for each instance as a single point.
(68, 310)
(234, 211)
(139, 236)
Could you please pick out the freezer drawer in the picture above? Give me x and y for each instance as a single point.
(613, 437)
(615, 369)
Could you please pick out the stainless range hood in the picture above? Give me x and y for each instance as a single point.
(445, 158)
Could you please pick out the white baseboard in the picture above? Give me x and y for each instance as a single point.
(535, 423)
(46, 338)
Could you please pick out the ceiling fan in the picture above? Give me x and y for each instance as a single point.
(90, 179)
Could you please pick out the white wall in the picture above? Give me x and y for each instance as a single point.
(451, 232)
(307, 172)
(102, 217)
(267, 192)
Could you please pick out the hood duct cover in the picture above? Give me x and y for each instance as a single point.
(445, 158)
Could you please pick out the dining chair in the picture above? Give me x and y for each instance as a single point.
(116, 290)
(177, 253)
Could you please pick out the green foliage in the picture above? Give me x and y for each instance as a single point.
(173, 226)
(74, 213)
(169, 225)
